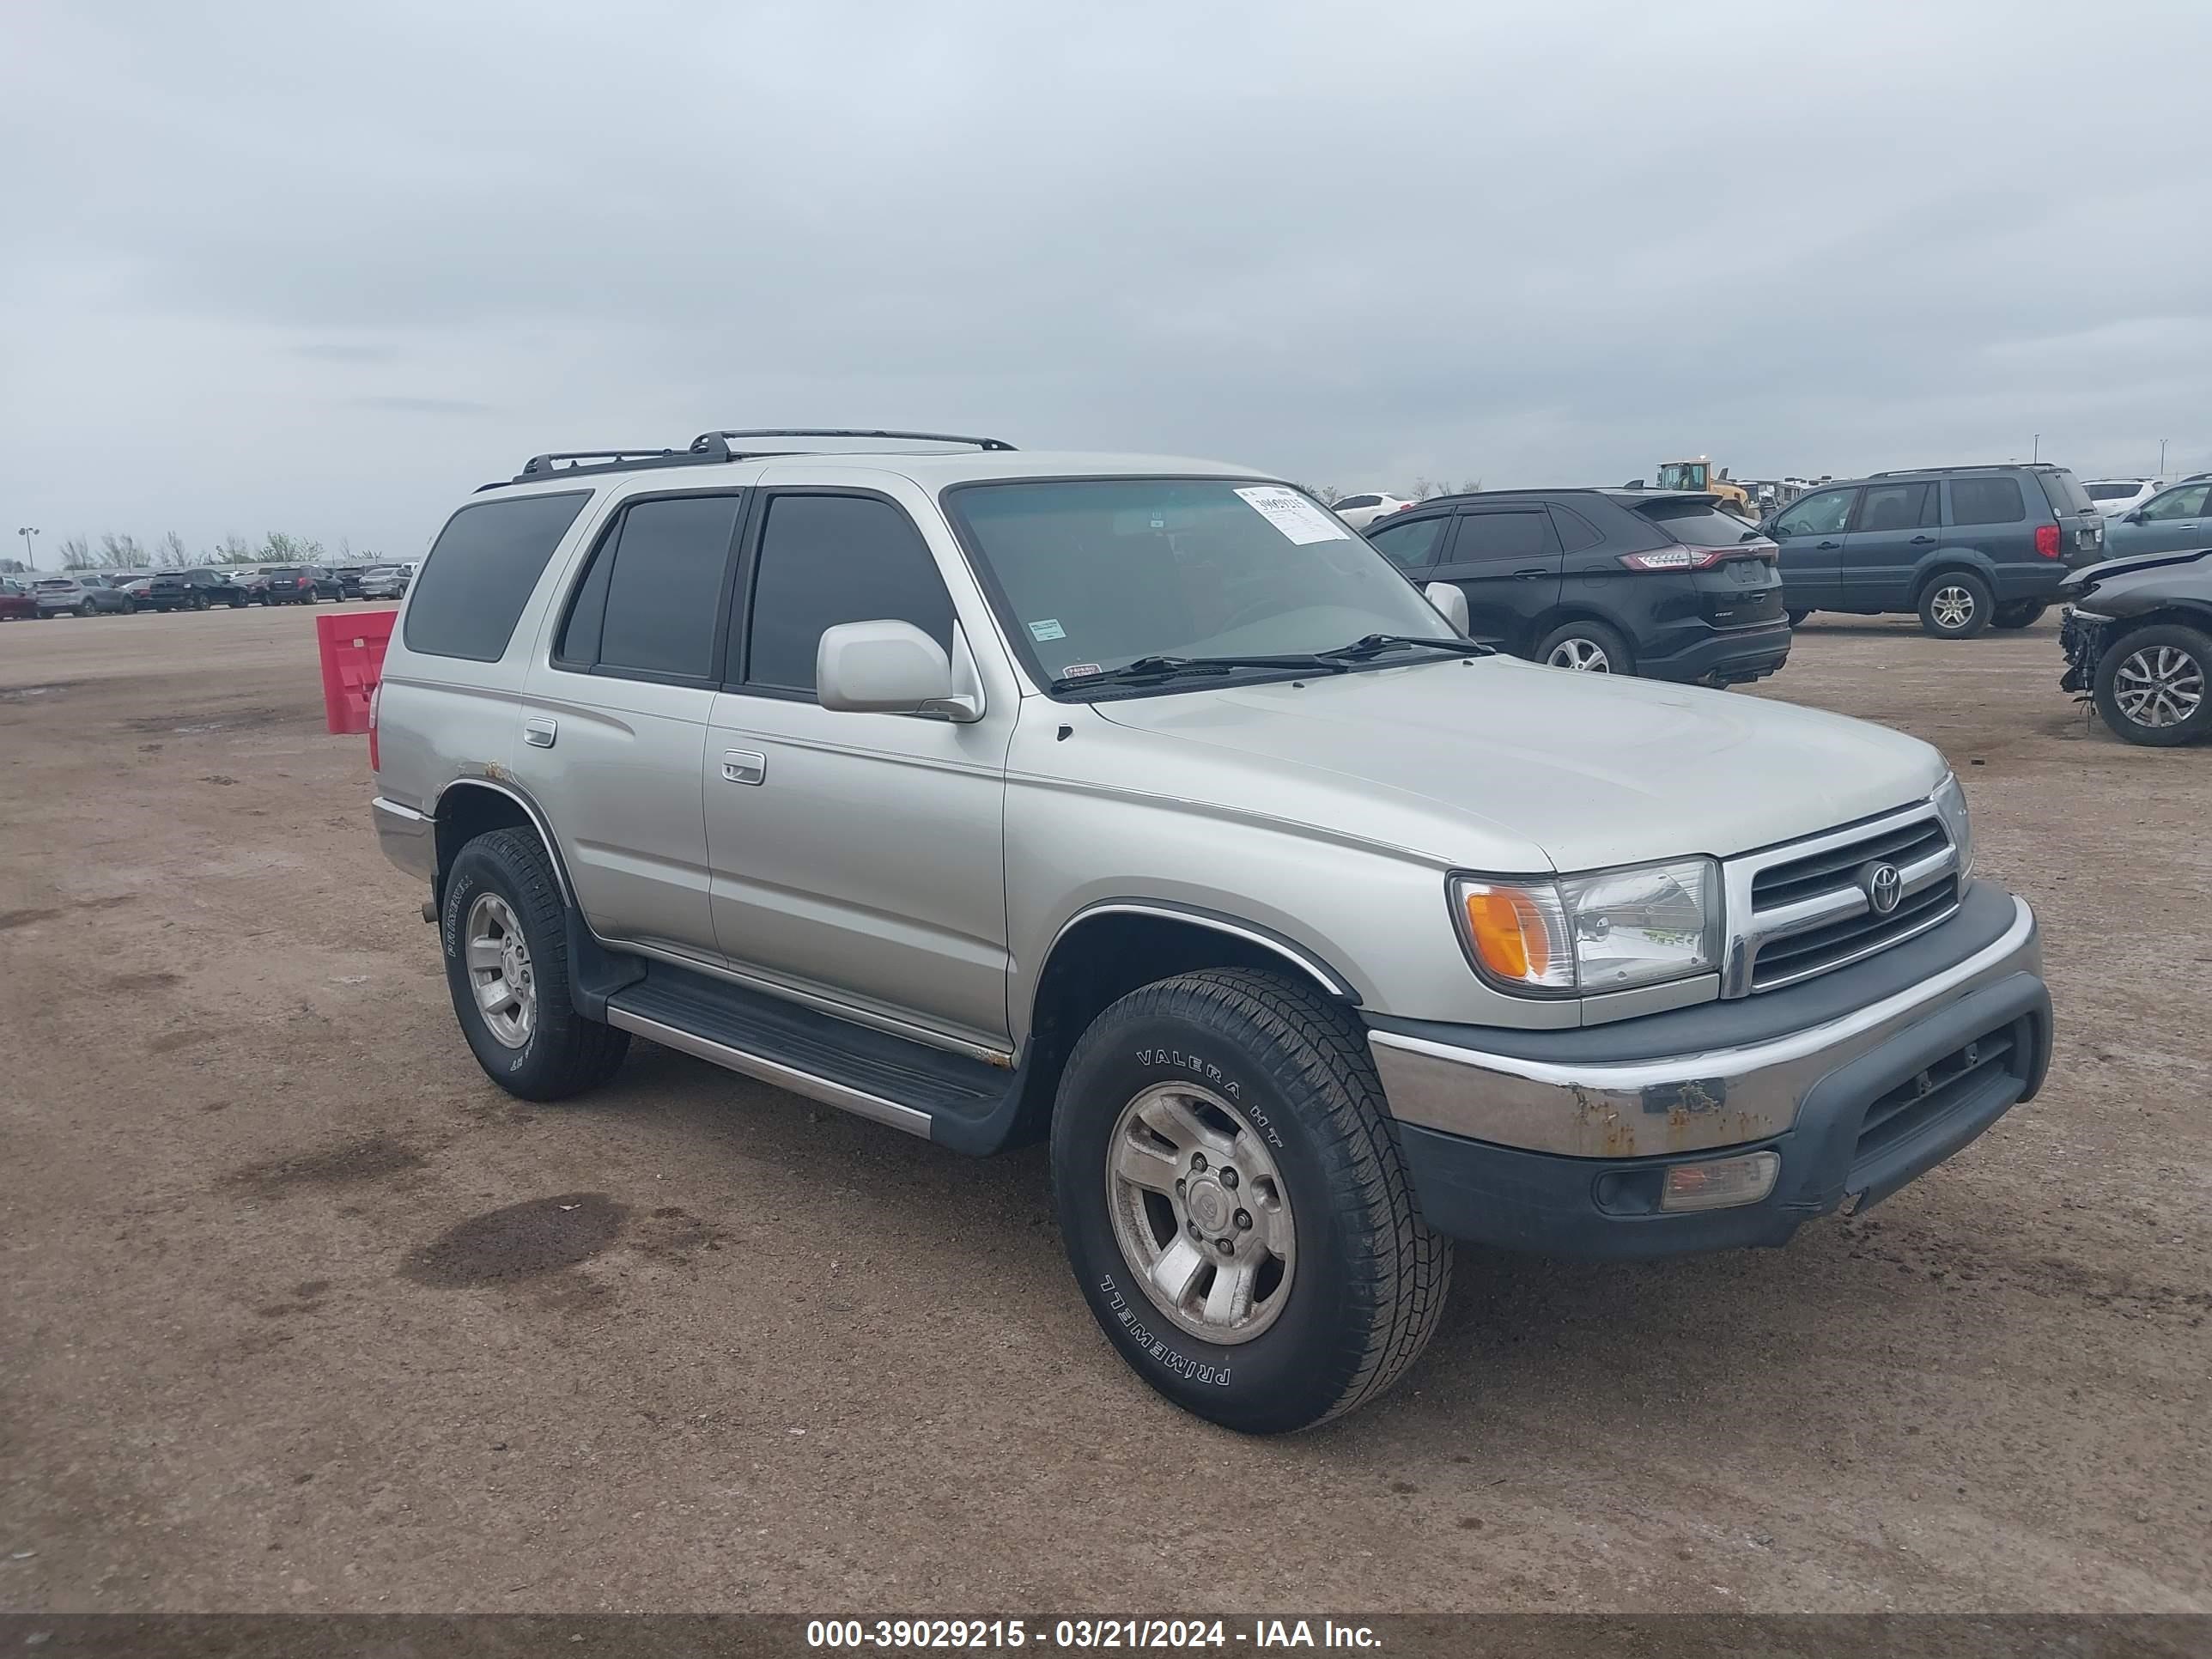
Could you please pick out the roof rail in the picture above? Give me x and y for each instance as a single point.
(1971, 466)
(705, 440)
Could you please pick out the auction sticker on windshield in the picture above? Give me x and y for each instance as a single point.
(1293, 515)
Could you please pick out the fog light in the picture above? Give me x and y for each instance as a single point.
(1720, 1184)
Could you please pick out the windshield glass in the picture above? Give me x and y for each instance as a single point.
(1095, 574)
(1682, 475)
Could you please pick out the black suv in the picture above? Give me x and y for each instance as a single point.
(1660, 583)
(193, 590)
(1966, 547)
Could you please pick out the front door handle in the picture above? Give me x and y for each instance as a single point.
(539, 733)
(744, 765)
(1827, 547)
(1923, 541)
(1537, 570)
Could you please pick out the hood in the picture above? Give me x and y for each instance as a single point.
(2089, 576)
(1499, 764)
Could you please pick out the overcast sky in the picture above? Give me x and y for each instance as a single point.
(322, 269)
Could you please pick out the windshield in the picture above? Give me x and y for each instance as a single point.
(1095, 574)
(1682, 475)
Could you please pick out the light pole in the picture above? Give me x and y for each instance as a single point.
(2162, 460)
(2036, 453)
(27, 531)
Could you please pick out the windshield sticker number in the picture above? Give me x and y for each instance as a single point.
(1049, 629)
(1298, 519)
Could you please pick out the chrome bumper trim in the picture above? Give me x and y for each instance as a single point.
(1674, 1103)
(409, 839)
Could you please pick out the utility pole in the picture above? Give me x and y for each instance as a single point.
(2161, 460)
(27, 531)
(2036, 453)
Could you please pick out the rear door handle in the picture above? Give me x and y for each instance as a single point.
(1923, 541)
(1537, 570)
(744, 766)
(539, 733)
(1826, 547)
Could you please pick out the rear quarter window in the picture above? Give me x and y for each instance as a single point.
(1987, 501)
(481, 571)
(1695, 524)
(2064, 492)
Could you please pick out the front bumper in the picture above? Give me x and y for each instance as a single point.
(1567, 1158)
(409, 839)
(2081, 638)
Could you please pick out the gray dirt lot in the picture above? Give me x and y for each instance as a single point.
(301, 1312)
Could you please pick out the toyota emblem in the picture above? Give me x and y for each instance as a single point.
(1884, 887)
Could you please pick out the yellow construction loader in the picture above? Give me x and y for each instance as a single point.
(1702, 476)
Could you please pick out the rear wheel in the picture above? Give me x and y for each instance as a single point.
(199, 602)
(503, 929)
(1588, 647)
(1955, 605)
(2151, 685)
(1234, 1205)
(2021, 613)
(1797, 618)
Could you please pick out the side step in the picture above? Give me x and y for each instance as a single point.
(950, 1098)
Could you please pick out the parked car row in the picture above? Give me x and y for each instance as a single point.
(199, 587)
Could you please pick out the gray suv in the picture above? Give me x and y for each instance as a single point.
(1141, 806)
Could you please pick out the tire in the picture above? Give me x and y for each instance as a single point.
(1955, 594)
(1596, 648)
(2164, 653)
(238, 604)
(1366, 1281)
(84, 613)
(199, 601)
(2021, 613)
(1796, 617)
(560, 1052)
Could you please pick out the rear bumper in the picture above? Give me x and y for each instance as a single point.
(1513, 1153)
(1733, 654)
(409, 839)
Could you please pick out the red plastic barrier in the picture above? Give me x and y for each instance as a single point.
(352, 644)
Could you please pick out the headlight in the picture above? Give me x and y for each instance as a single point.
(1582, 935)
(1951, 805)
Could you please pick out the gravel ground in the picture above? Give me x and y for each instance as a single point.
(303, 1314)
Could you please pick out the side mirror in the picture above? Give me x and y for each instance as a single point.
(887, 668)
(2135, 517)
(1450, 600)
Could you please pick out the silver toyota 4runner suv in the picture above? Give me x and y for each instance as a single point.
(1140, 804)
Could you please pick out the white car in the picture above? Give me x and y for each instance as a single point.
(1360, 511)
(2114, 496)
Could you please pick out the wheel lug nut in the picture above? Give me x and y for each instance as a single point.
(1227, 1177)
(1180, 1184)
(1194, 1232)
(1244, 1218)
(1198, 1162)
(1224, 1246)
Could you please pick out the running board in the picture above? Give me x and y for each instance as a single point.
(950, 1098)
(872, 1106)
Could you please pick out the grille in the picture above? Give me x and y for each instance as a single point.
(1799, 956)
(1826, 872)
(1949, 1084)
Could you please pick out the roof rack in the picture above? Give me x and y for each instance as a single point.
(1972, 467)
(705, 440)
(707, 449)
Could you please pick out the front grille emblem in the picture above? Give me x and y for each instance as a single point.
(1883, 887)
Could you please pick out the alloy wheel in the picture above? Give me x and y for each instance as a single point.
(1200, 1212)
(2158, 686)
(500, 973)
(1953, 607)
(1585, 656)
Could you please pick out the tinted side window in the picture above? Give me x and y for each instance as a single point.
(2064, 492)
(1503, 536)
(1410, 546)
(1575, 531)
(1351, 501)
(479, 574)
(1896, 507)
(1987, 501)
(1817, 515)
(664, 597)
(830, 559)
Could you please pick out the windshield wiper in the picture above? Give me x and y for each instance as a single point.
(1153, 671)
(1374, 645)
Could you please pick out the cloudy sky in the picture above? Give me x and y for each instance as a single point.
(323, 268)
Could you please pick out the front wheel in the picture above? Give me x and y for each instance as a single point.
(1587, 648)
(1955, 605)
(2020, 613)
(503, 929)
(1234, 1205)
(2151, 685)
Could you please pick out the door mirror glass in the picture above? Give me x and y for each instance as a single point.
(1451, 601)
(886, 668)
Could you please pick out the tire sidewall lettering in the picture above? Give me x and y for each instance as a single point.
(1125, 1308)
(1200, 1068)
